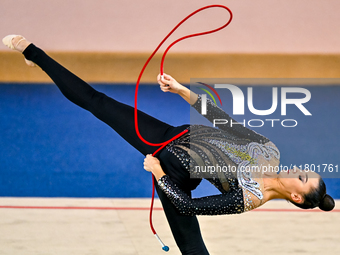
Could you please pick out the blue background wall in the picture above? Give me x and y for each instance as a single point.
(52, 148)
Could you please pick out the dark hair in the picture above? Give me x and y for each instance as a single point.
(317, 197)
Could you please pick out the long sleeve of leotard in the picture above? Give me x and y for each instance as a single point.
(215, 112)
(226, 203)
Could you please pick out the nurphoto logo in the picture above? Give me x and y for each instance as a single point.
(238, 108)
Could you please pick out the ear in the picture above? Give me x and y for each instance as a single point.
(297, 198)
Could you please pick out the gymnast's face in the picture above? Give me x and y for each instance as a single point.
(297, 182)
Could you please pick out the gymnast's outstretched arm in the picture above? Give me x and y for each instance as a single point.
(210, 205)
(169, 84)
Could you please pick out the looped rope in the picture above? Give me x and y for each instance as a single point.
(163, 144)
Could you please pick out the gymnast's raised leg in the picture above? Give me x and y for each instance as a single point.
(120, 117)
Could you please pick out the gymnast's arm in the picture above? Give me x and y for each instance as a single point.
(169, 84)
(210, 205)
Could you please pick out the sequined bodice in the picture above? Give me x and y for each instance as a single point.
(221, 156)
(222, 159)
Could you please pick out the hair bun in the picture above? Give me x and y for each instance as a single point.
(327, 203)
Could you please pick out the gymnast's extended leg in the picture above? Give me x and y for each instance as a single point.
(117, 115)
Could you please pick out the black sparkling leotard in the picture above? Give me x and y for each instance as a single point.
(178, 183)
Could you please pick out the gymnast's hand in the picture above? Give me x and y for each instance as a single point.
(152, 164)
(169, 84)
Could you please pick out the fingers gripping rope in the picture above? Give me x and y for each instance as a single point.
(163, 144)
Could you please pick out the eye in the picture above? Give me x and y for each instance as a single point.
(301, 178)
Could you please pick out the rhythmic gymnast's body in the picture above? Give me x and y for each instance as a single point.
(174, 167)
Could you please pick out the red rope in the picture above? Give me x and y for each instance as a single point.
(163, 144)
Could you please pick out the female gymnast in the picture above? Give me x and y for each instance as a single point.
(178, 166)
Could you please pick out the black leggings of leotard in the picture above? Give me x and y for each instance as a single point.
(120, 117)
